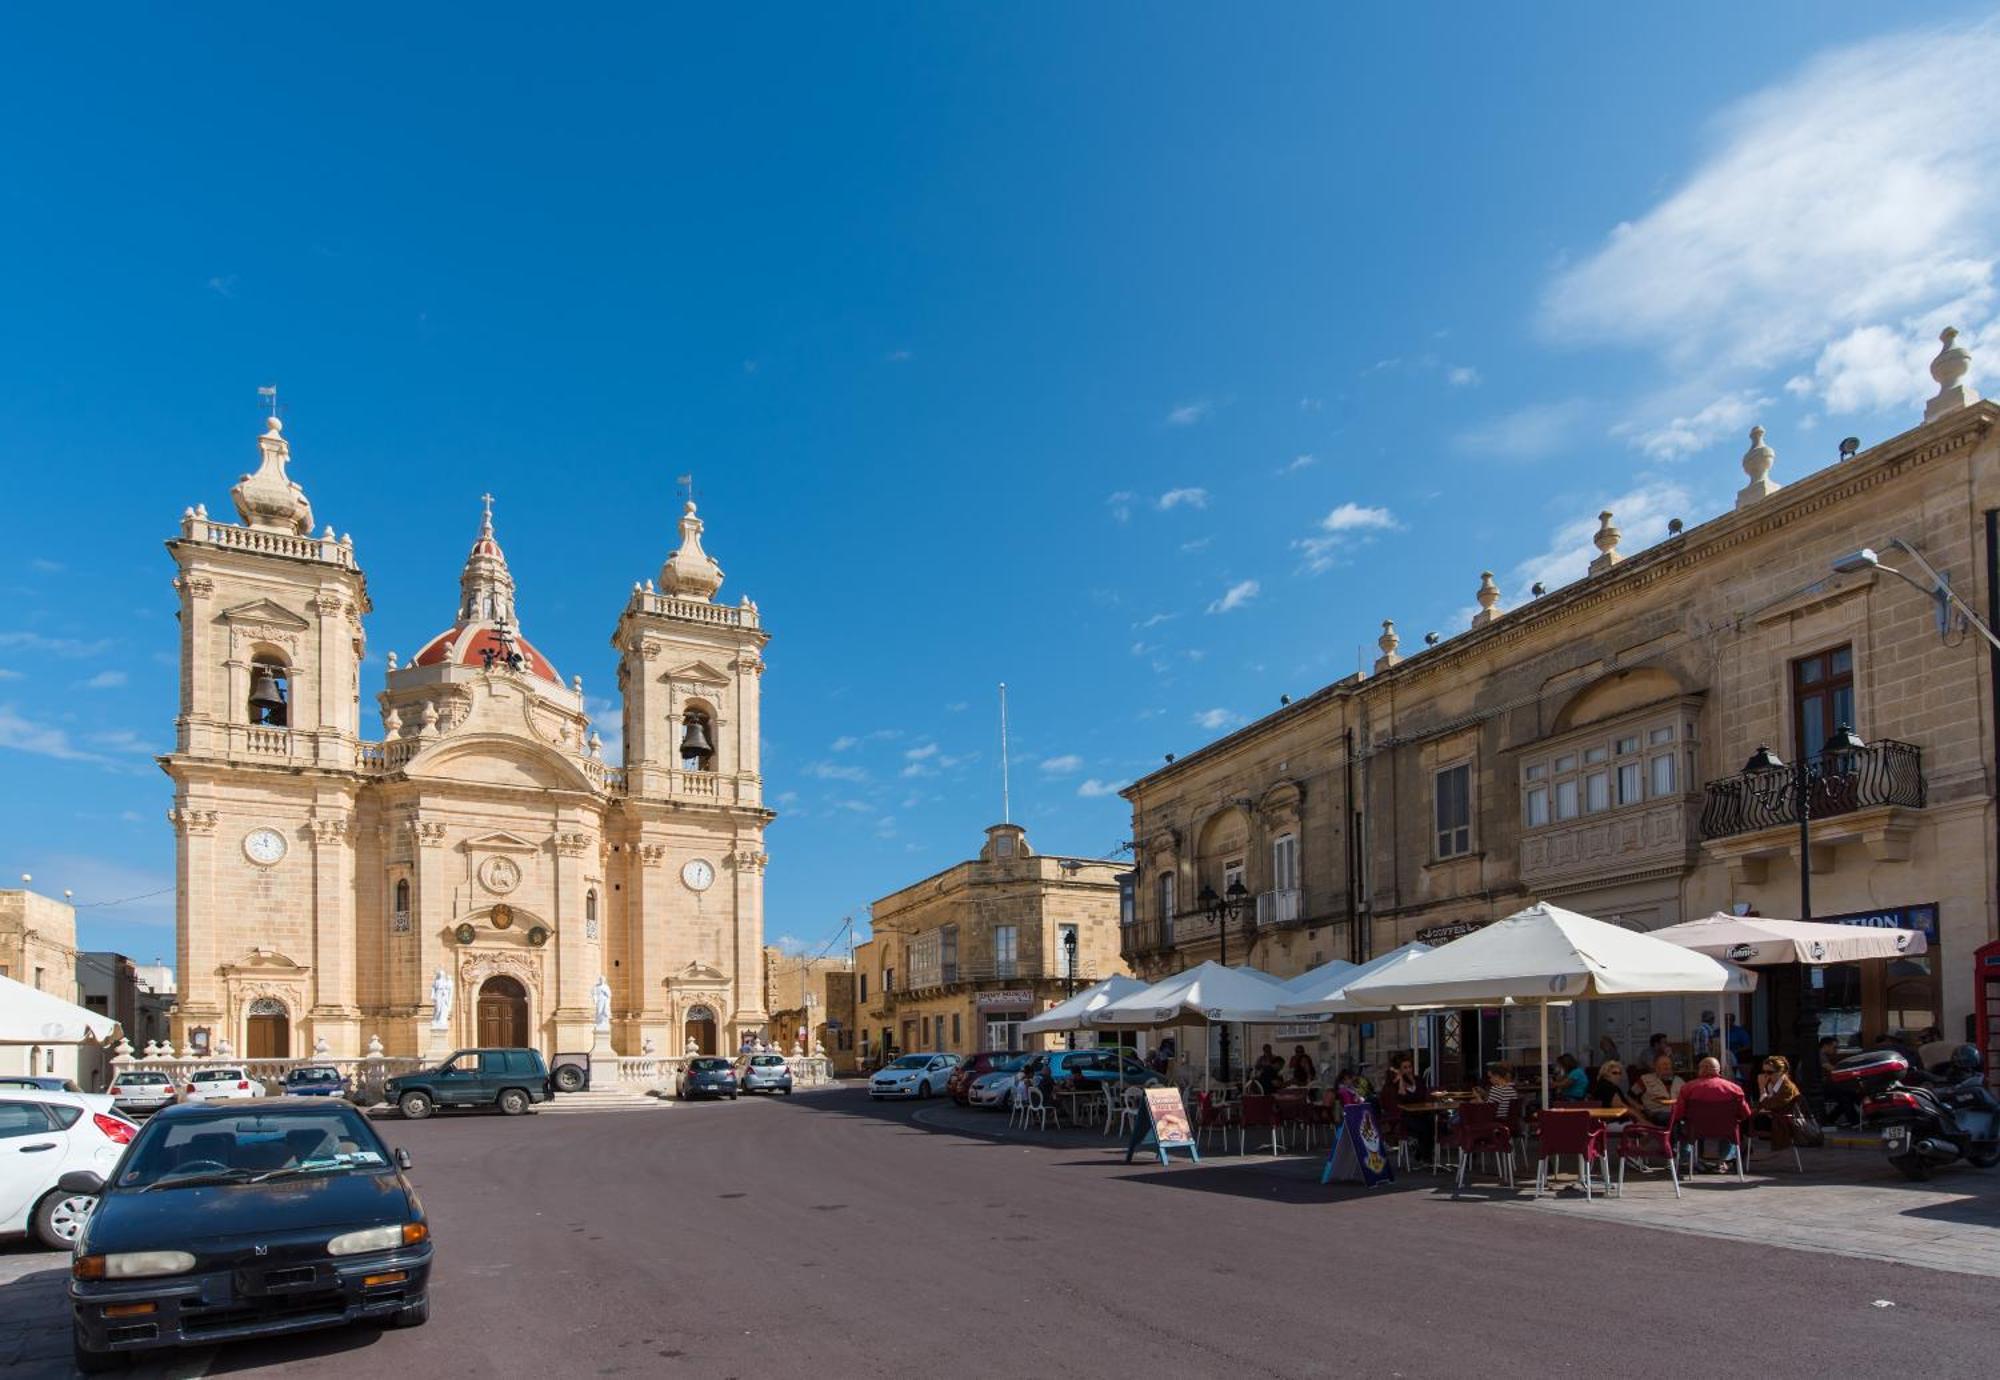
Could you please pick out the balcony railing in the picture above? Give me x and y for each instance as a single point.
(1276, 908)
(992, 970)
(1885, 772)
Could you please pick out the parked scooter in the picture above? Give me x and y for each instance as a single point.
(1926, 1121)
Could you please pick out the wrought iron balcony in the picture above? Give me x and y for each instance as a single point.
(1839, 782)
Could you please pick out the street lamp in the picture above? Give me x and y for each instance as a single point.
(1939, 588)
(1069, 972)
(1802, 776)
(1222, 909)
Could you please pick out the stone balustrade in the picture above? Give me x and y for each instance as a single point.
(197, 527)
(662, 1072)
(368, 1072)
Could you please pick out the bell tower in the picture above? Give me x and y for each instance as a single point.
(689, 672)
(265, 765)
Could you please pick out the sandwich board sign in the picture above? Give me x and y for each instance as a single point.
(1357, 1155)
(1165, 1127)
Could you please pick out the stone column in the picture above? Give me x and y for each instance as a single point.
(200, 1001)
(576, 957)
(334, 1014)
(747, 960)
(430, 912)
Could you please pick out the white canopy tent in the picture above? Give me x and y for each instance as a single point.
(1547, 955)
(1325, 999)
(1206, 994)
(32, 1020)
(1073, 1013)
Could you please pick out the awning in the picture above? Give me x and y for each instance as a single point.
(29, 1016)
(1072, 1013)
(1763, 943)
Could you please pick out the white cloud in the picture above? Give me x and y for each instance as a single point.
(843, 743)
(1063, 765)
(1235, 597)
(6, 674)
(1310, 404)
(1120, 504)
(898, 356)
(1297, 463)
(919, 753)
(1218, 718)
(43, 565)
(1527, 433)
(1875, 367)
(957, 707)
(55, 646)
(1462, 376)
(1179, 498)
(44, 740)
(1641, 516)
(105, 680)
(1187, 414)
(1729, 415)
(1858, 191)
(1196, 546)
(1348, 523)
(834, 771)
(1155, 620)
(1352, 517)
(1093, 788)
(121, 740)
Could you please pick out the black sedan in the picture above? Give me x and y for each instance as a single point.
(226, 1220)
(708, 1077)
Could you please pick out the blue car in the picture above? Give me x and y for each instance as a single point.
(226, 1220)
(1099, 1066)
(317, 1080)
(708, 1076)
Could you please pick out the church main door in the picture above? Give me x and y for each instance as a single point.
(701, 1029)
(269, 1034)
(503, 1013)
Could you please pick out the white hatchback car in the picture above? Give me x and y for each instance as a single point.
(913, 1075)
(43, 1136)
(220, 1085)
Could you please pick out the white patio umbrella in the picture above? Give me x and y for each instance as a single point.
(1073, 1012)
(30, 1016)
(1760, 943)
(1206, 994)
(1546, 954)
(1329, 998)
(1328, 975)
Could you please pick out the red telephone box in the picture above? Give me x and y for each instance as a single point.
(1986, 999)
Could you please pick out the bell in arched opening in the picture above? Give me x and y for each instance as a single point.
(267, 695)
(697, 749)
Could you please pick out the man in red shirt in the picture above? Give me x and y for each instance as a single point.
(1709, 1087)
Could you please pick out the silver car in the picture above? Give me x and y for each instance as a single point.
(764, 1073)
(141, 1092)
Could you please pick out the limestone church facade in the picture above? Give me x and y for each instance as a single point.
(327, 877)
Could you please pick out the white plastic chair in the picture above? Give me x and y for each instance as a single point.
(1038, 1109)
(1017, 1108)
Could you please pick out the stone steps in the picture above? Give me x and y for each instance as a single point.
(601, 1100)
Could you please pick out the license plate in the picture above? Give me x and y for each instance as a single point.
(1896, 1137)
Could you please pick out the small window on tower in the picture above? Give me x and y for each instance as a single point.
(401, 921)
(270, 693)
(697, 741)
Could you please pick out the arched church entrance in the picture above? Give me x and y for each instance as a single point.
(701, 1029)
(503, 1013)
(269, 1035)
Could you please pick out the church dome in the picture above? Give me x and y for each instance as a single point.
(486, 625)
(466, 644)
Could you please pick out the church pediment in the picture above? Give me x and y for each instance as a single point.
(265, 612)
(699, 673)
(501, 842)
(492, 760)
(699, 974)
(266, 962)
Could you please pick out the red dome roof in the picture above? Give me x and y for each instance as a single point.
(465, 644)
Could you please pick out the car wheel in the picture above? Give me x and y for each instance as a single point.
(569, 1078)
(732, 1097)
(513, 1102)
(924, 1089)
(93, 1362)
(413, 1315)
(60, 1216)
(1983, 1159)
(415, 1105)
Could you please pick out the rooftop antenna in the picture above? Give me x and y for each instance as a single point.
(1006, 797)
(269, 392)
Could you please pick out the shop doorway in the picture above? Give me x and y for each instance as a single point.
(503, 1013)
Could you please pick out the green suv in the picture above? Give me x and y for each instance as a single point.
(510, 1079)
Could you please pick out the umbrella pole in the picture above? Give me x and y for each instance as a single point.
(1543, 1009)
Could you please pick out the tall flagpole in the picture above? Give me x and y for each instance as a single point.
(1006, 798)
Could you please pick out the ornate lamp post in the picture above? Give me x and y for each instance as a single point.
(1222, 909)
(1069, 972)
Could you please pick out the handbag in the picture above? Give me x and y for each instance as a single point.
(1805, 1130)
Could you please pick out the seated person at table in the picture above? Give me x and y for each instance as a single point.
(1609, 1089)
(1345, 1091)
(1269, 1060)
(1709, 1086)
(1301, 1066)
(1777, 1096)
(1403, 1083)
(1500, 1089)
(1655, 1047)
(1659, 1089)
(1572, 1084)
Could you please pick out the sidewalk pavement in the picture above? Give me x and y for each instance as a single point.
(1848, 1202)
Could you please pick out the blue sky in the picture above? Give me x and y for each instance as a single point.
(1144, 359)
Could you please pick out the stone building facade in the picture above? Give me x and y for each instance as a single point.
(811, 998)
(1594, 748)
(38, 942)
(958, 960)
(327, 879)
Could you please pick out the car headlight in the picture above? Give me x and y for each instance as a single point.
(132, 1265)
(378, 1238)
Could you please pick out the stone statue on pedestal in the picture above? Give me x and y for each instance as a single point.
(600, 1003)
(441, 999)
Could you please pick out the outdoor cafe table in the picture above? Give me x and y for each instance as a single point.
(1438, 1108)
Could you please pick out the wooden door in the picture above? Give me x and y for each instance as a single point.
(503, 1013)
(270, 1037)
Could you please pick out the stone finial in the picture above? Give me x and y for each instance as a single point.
(1757, 462)
(596, 745)
(576, 684)
(320, 1047)
(268, 498)
(1489, 600)
(374, 1046)
(691, 573)
(1949, 369)
(1388, 642)
(1607, 543)
(392, 662)
(430, 720)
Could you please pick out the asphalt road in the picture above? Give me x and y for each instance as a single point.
(827, 1236)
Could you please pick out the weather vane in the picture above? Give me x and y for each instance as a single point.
(686, 482)
(269, 392)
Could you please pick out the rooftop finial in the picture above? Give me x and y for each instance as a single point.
(1388, 642)
(1949, 369)
(690, 573)
(1489, 601)
(486, 522)
(1757, 463)
(1606, 541)
(269, 498)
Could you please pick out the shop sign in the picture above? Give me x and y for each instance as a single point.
(1444, 934)
(1021, 999)
(1922, 918)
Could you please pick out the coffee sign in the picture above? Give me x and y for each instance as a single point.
(1444, 934)
(1014, 999)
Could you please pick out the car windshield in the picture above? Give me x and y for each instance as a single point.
(313, 1076)
(1014, 1065)
(912, 1061)
(710, 1065)
(251, 1147)
(136, 1079)
(768, 1061)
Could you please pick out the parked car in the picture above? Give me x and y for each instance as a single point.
(511, 1079)
(1099, 1066)
(225, 1221)
(141, 1092)
(43, 1136)
(35, 1082)
(994, 1089)
(708, 1076)
(317, 1080)
(972, 1068)
(764, 1073)
(913, 1075)
(221, 1085)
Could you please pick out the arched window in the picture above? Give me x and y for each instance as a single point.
(402, 916)
(270, 691)
(697, 741)
(590, 914)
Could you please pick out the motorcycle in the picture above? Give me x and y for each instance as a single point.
(1926, 1121)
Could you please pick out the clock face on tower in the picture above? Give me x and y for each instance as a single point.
(264, 846)
(699, 874)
